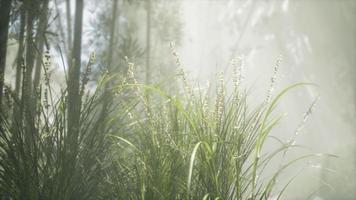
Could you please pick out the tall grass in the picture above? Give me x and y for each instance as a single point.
(198, 144)
(152, 144)
(46, 162)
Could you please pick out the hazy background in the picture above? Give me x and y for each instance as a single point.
(316, 39)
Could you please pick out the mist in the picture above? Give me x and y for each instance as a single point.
(177, 99)
(316, 42)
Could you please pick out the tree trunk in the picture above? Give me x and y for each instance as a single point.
(29, 64)
(5, 6)
(62, 38)
(112, 35)
(40, 39)
(69, 22)
(19, 60)
(18, 108)
(74, 98)
(108, 98)
(148, 42)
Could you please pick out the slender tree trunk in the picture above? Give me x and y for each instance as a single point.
(19, 61)
(108, 98)
(148, 51)
(62, 37)
(148, 42)
(74, 98)
(112, 35)
(5, 6)
(18, 108)
(30, 50)
(40, 39)
(69, 22)
(30, 59)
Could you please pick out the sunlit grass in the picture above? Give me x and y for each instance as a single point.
(197, 144)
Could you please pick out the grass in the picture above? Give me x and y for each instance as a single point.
(188, 146)
(152, 144)
(46, 162)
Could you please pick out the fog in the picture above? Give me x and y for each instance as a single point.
(315, 40)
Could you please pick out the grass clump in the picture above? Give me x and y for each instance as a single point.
(198, 144)
(39, 159)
